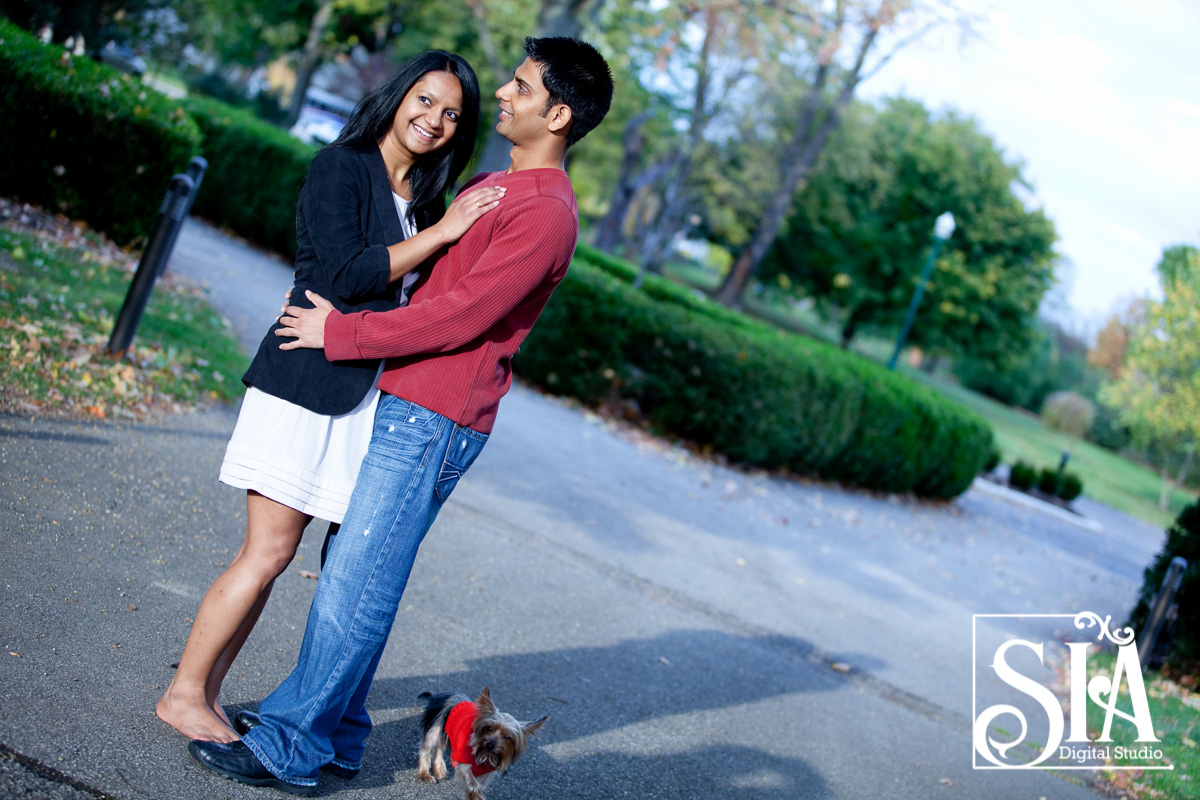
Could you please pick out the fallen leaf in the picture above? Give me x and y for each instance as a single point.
(132, 607)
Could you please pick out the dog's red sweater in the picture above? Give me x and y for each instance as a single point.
(458, 731)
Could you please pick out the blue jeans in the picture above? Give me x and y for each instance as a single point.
(318, 714)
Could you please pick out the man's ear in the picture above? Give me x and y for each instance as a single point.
(559, 118)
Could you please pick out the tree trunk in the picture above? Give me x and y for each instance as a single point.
(499, 73)
(799, 157)
(495, 154)
(563, 17)
(851, 326)
(677, 195)
(557, 18)
(611, 229)
(310, 59)
(1168, 490)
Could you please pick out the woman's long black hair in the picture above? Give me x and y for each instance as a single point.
(433, 174)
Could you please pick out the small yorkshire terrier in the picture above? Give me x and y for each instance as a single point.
(482, 740)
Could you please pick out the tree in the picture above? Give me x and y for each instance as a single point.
(1158, 392)
(860, 231)
(1112, 342)
(1055, 360)
(702, 55)
(836, 39)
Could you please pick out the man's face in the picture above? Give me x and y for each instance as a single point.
(523, 105)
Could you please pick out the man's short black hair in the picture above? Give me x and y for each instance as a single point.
(577, 76)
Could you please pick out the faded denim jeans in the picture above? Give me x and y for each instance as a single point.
(318, 714)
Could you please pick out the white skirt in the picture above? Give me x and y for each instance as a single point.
(296, 457)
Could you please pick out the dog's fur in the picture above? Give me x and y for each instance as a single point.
(497, 739)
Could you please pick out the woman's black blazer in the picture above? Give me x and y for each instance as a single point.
(345, 220)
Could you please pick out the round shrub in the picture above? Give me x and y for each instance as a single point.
(1022, 476)
(1070, 486)
(85, 140)
(1069, 413)
(1048, 481)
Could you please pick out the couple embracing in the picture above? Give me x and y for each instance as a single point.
(384, 270)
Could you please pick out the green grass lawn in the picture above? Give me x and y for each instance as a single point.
(1175, 711)
(1107, 477)
(60, 291)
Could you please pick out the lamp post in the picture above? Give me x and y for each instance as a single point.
(942, 229)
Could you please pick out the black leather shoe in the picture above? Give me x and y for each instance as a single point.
(341, 772)
(238, 763)
(244, 720)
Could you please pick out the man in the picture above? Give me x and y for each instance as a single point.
(449, 354)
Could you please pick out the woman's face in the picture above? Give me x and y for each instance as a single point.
(428, 115)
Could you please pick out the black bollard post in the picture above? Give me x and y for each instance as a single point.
(195, 171)
(1158, 612)
(170, 217)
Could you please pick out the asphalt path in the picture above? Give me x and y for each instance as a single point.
(693, 631)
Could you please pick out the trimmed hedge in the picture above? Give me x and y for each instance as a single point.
(254, 174)
(1181, 639)
(750, 392)
(85, 140)
(668, 291)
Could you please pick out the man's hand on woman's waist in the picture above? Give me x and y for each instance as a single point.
(305, 327)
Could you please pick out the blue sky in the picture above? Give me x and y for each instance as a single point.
(1101, 102)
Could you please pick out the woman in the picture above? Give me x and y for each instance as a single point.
(305, 423)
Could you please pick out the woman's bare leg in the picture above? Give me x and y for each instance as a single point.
(216, 676)
(227, 613)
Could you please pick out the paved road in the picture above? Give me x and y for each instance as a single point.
(686, 626)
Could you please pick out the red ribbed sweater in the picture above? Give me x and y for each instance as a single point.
(450, 349)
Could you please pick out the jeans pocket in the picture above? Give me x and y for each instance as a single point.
(402, 435)
(447, 480)
(464, 447)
